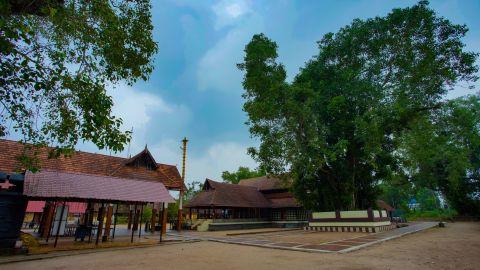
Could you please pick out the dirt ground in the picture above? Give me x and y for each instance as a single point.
(455, 247)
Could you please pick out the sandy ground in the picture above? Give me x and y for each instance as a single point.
(455, 247)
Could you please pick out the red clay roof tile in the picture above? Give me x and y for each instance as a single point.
(89, 163)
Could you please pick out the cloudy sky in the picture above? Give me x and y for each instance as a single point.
(195, 89)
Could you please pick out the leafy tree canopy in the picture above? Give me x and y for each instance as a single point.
(443, 153)
(192, 189)
(338, 126)
(56, 60)
(241, 173)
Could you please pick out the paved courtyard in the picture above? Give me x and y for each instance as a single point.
(455, 247)
(310, 241)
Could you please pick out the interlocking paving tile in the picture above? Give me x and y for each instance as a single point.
(348, 243)
(328, 247)
(358, 240)
(258, 242)
(239, 240)
(285, 244)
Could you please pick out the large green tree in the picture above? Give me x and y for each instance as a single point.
(337, 126)
(442, 153)
(56, 60)
(241, 173)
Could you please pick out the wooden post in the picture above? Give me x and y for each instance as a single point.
(133, 230)
(164, 219)
(140, 222)
(47, 220)
(101, 214)
(108, 223)
(162, 224)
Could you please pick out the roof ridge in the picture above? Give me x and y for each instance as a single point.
(85, 152)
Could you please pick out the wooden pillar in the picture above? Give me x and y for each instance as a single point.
(48, 219)
(162, 225)
(101, 215)
(154, 220)
(140, 217)
(135, 219)
(108, 223)
(164, 219)
(131, 239)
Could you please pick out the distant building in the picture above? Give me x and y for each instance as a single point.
(413, 204)
(261, 199)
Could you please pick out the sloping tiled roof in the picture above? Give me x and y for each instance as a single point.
(54, 184)
(289, 202)
(385, 206)
(229, 195)
(89, 163)
(282, 200)
(264, 183)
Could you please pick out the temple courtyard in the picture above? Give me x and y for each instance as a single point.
(457, 246)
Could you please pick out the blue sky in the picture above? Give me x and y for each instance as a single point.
(195, 89)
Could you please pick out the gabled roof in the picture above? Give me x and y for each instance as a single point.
(90, 163)
(384, 206)
(264, 183)
(229, 195)
(219, 194)
(144, 157)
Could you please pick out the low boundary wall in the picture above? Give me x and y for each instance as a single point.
(350, 221)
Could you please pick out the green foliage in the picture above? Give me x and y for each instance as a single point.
(241, 173)
(193, 188)
(338, 126)
(147, 214)
(427, 199)
(172, 210)
(436, 214)
(443, 153)
(122, 219)
(396, 192)
(56, 60)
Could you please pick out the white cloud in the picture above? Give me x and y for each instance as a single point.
(146, 114)
(228, 12)
(136, 107)
(217, 68)
(219, 157)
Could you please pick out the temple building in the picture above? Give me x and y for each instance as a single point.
(252, 203)
(92, 187)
